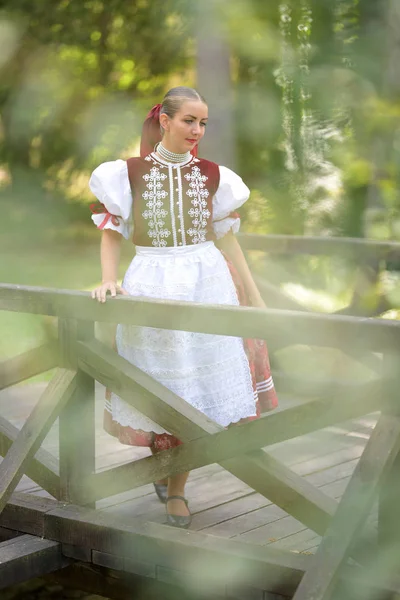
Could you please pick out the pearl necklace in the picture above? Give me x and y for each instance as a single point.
(171, 156)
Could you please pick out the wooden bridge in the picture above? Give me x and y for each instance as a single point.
(292, 505)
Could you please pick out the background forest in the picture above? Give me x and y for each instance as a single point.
(304, 100)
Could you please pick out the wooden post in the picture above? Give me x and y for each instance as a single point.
(77, 421)
(388, 508)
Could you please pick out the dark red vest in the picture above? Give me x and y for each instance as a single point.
(172, 204)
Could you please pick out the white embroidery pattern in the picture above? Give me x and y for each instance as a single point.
(180, 200)
(199, 213)
(156, 213)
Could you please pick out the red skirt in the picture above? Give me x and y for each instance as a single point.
(257, 354)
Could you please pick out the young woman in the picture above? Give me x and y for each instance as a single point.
(175, 206)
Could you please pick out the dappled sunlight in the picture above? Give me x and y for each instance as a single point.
(314, 299)
(391, 314)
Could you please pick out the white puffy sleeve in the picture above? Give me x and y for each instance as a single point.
(109, 182)
(232, 193)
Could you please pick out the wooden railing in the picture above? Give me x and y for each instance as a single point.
(80, 359)
(358, 248)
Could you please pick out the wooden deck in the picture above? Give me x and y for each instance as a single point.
(222, 505)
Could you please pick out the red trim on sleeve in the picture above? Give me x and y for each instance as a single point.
(98, 208)
(232, 215)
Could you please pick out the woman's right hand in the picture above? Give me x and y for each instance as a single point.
(100, 293)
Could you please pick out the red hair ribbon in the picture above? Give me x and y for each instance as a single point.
(151, 132)
(98, 208)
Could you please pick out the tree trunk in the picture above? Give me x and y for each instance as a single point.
(214, 83)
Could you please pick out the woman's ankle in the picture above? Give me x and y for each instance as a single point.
(162, 481)
(154, 451)
(177, 506)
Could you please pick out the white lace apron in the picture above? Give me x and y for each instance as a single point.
(211, 372)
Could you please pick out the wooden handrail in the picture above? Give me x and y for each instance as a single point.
(289, 327)
(338, 246)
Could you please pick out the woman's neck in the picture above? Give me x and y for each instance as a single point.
(168, 155)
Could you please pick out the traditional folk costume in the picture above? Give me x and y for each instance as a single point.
(173, 212)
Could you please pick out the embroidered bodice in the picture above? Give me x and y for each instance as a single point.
(172, 203)
(167, 204)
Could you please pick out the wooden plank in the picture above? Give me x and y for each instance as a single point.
(110, 561)
(81, 553)
(253, 511)
(35, 429)
(77, 419)
(285, 488)
(227, 511)
(253, 526)
(264, 474)
(26, 557)
(352, 511)
(43, 468)
(318, 444)
(28, 364)
(7, 534)
(25, 512)
(287, 327)
(298, 542)
(203, 494)
(324, 462)
(281, 528)
(240, 525)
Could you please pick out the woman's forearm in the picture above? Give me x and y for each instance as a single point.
(231, 247)
(110, 251)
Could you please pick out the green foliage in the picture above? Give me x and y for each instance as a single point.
(77, 81)
(315, 95)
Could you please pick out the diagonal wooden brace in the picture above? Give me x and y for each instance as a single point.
(318, 583)
(35, 429)
(44, 468)
(29, 363)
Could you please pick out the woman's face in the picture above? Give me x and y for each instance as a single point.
(184, 131)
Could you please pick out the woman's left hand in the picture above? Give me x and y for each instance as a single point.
(100, 293)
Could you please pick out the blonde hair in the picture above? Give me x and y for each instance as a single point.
(176, 96)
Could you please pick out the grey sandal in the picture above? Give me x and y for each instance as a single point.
(179, 520)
